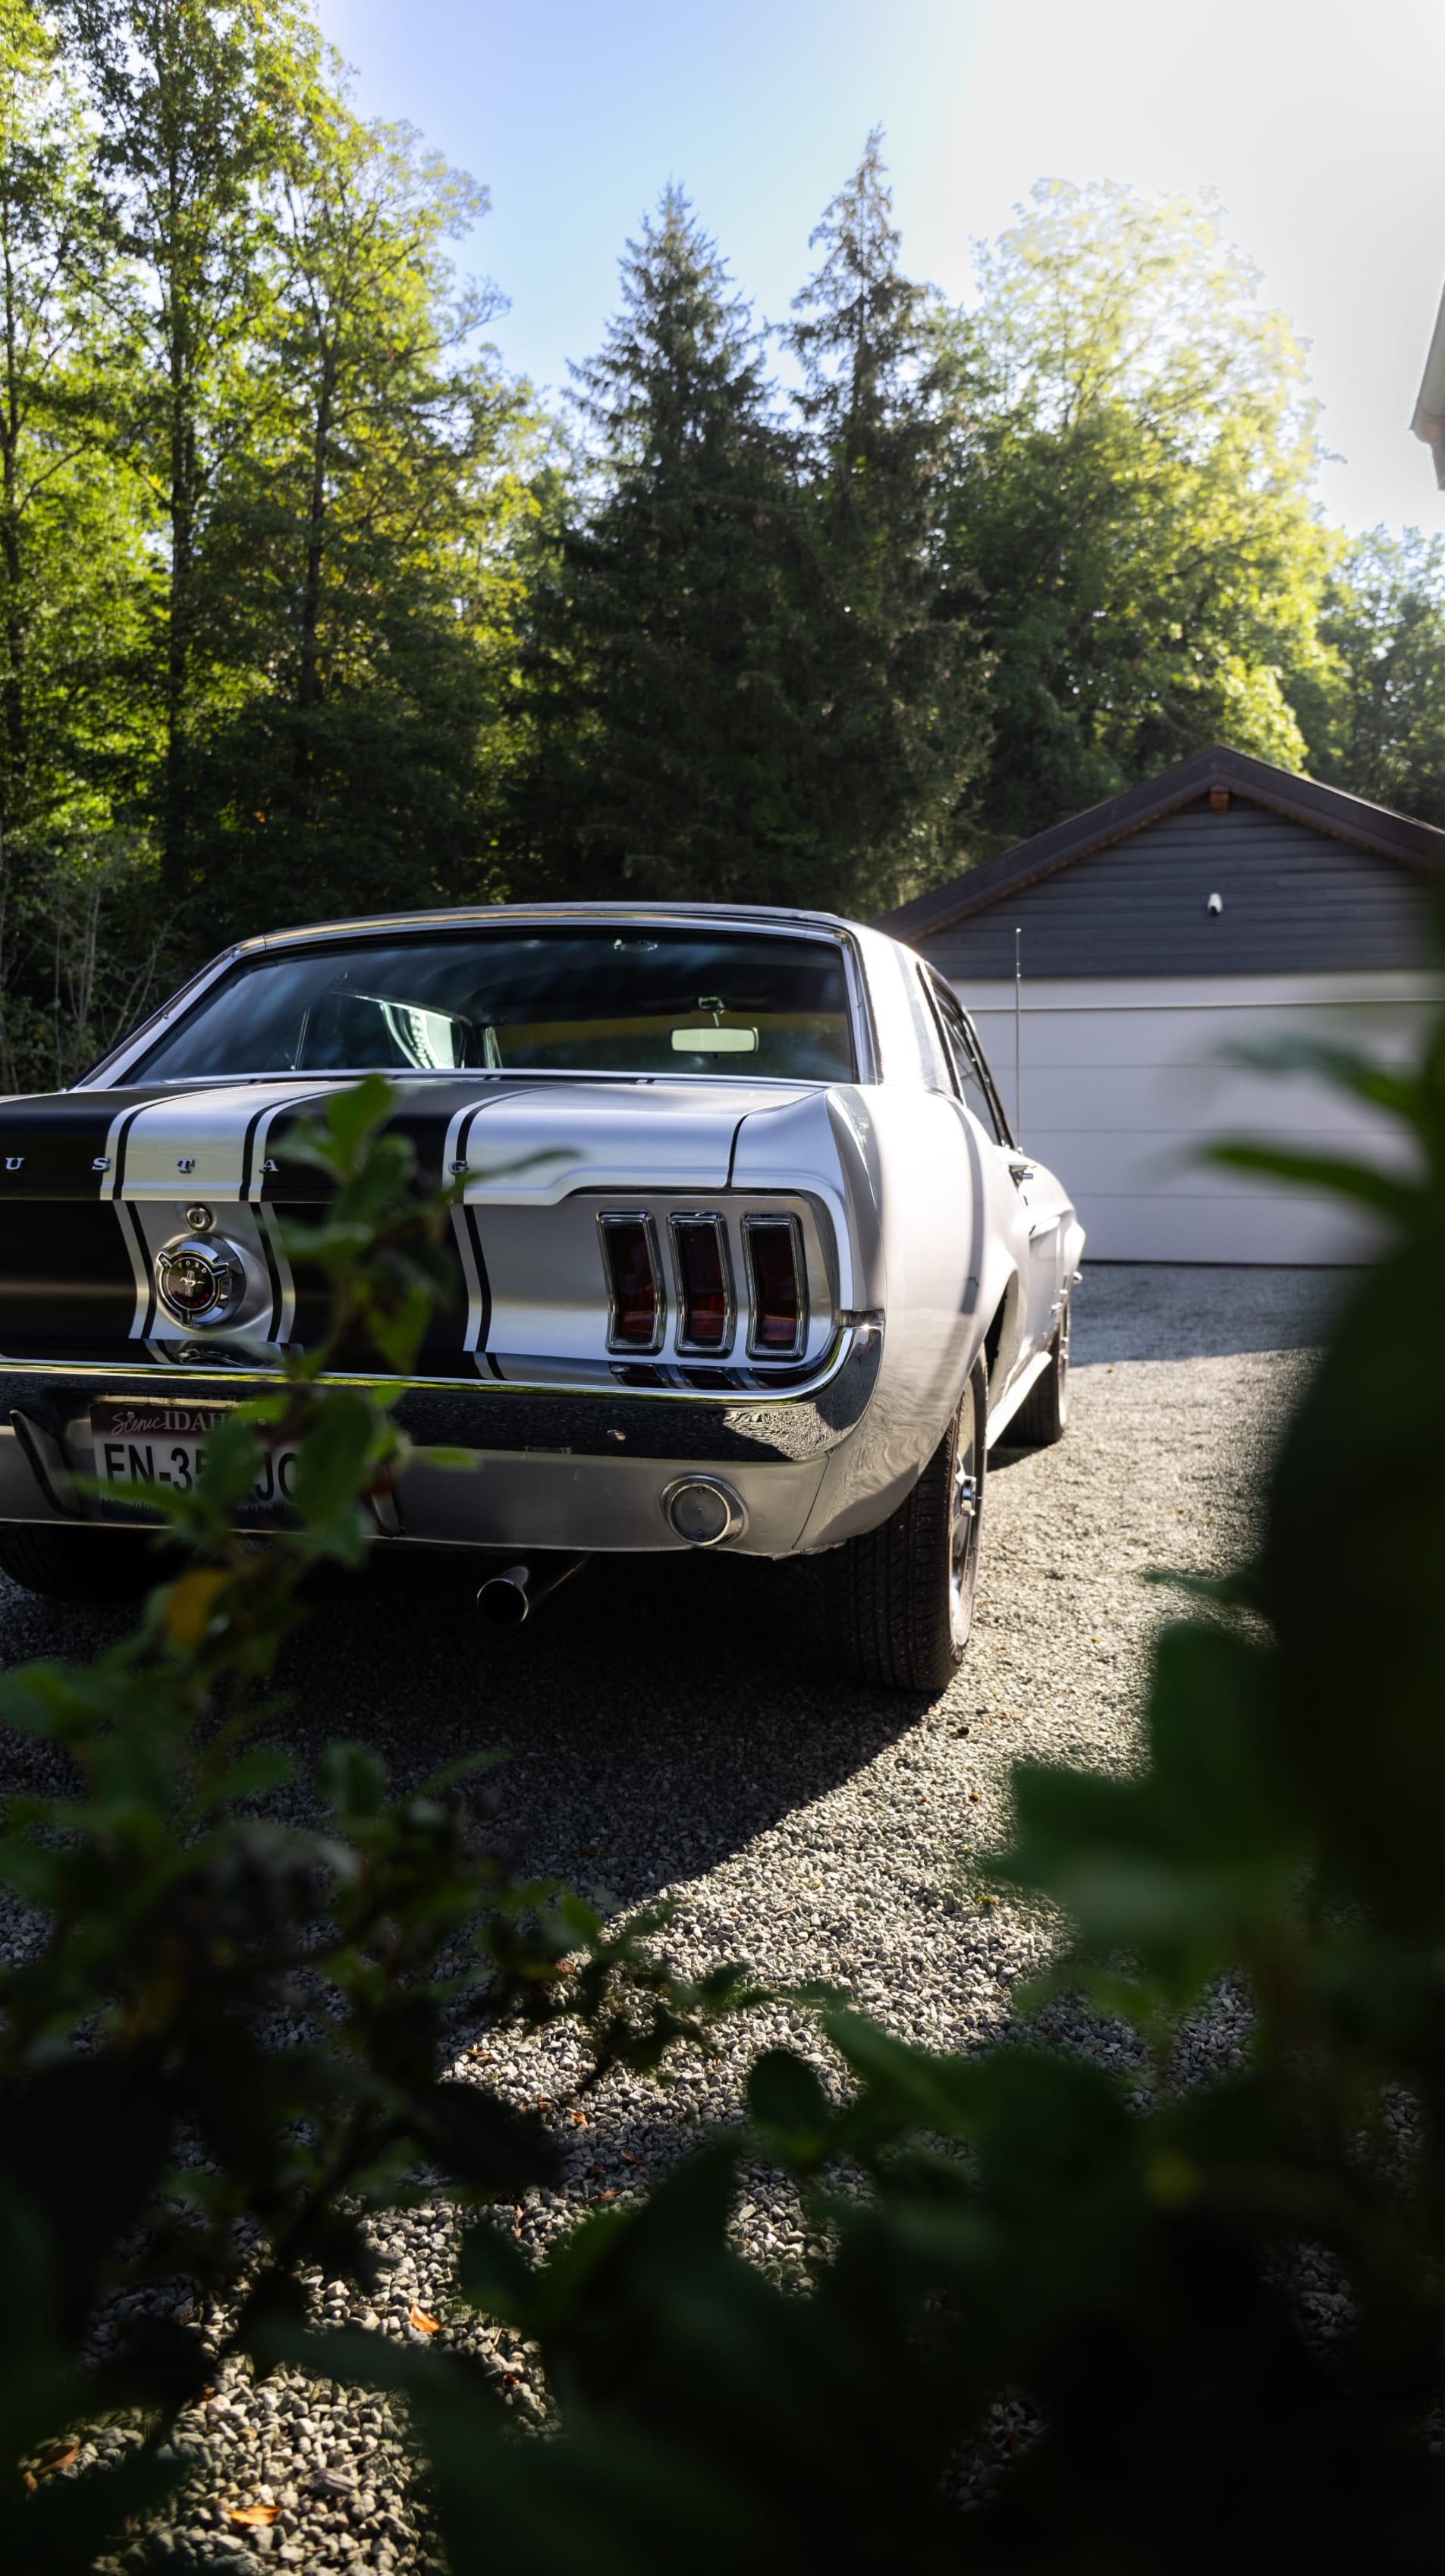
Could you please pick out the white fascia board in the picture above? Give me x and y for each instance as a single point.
(1200, 992)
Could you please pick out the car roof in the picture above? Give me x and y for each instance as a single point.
(491, 916)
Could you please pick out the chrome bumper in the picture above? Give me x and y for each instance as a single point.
(580, 1465)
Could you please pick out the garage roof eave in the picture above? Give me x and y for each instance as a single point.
(1303, 800)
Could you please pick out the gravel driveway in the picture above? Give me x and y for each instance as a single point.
(668, 1731)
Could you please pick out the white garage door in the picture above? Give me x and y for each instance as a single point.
(1124, 1080)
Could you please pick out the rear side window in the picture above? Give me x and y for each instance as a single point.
(971, 1078)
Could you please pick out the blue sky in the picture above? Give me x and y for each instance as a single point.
(1318, 121)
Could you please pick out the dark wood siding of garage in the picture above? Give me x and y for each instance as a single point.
(1296, 901)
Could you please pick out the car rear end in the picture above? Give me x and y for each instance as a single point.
(661, 1322)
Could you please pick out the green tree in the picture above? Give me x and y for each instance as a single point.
(76, 734)
(1139, 514)
(891, 681)
(359, 583)
(660, 756)
(1374, 720)
(193, 101)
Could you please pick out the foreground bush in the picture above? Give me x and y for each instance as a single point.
(1128, 2262)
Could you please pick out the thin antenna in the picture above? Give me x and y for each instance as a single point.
(1018, 1037)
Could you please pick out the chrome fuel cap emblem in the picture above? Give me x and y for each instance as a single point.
(200, 1281)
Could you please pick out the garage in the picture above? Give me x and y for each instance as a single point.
(1121, 965)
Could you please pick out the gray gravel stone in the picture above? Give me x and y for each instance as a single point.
(670, 1731)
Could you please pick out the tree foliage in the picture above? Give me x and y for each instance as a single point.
(1121, 2259)
(1374, 717)
(1139, 514)
(663, 733)
(895, 703)
(306, 607)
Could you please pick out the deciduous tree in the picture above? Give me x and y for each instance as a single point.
(359, 581)
(1140, 516)
(1374, 719)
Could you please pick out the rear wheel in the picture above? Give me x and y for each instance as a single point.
(901, 1597)
(1043, 1416)
(78, 1564)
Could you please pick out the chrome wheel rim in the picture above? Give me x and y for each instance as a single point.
(963, 1521)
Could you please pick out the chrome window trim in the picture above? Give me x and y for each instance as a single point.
(607, 1218)
(710, 1217)
(111, 1068)
(107, 1072)
(754, 1223)
(941, 998)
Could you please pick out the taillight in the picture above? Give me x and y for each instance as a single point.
(776, 1279)
(634, 1283)
(704, 1283)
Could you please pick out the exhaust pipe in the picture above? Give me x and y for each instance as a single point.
(509, 1598)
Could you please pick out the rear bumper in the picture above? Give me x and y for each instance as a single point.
(577, 1466)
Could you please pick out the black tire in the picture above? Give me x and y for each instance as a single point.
(1043, 1416)
(900, 1597)
(79, 1564)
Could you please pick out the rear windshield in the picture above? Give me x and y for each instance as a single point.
(593, 1000)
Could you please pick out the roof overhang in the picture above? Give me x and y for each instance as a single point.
(1302, 800)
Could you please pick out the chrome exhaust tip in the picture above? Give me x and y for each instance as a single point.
(703, 1510)
(509, 1597)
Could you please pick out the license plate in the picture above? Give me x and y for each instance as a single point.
(165, 1444)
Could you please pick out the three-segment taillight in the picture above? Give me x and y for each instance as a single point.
(702, 1275)
(635, 1300)
(704, 1284)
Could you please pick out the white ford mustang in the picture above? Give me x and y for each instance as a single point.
(747, 1257)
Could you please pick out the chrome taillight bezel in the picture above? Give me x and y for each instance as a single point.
(609, 1220)
(754, 1225)
(710, 1221)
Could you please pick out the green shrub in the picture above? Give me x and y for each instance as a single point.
(1126, 2261)
(152, 2139)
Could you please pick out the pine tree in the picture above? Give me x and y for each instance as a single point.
(890, 682)
(660, 754)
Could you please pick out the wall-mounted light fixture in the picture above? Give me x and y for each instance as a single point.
(1215, 903)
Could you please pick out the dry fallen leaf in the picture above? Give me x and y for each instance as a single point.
(423, 2323)
(60, 2459)
(579, 2120)
(190, 1604)
(264, 2514)
(628, 2157)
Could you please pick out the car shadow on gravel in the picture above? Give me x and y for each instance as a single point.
(655, 1714)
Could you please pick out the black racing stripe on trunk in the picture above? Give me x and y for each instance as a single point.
(474, 1238)
(474, 1231)
(50, 1144)
(247, 1151)
(113, 1184)
(130, 1222)
(273, 1273)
